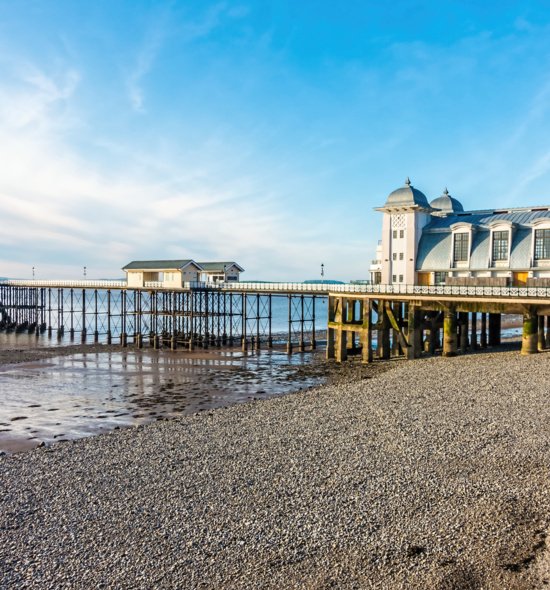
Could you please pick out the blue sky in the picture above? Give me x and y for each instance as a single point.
(258, 131)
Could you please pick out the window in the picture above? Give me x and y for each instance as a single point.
(394, 278)
(400, 278)
(439, 278)
(394, 256)
(500, 245)
(394, 234)
(401, 233)
(542, 244)
(400, 255)
(461, 244)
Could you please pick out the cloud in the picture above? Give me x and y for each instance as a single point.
(62, 211)
(29, 102)
(144, 62)
(160, 30)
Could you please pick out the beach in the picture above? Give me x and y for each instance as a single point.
(427, 474)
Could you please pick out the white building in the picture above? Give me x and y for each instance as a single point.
(165, 273)
(217, 272)
(438, 242)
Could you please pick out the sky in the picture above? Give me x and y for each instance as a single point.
(260, 131)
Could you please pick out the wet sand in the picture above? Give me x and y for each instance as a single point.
(53, 395)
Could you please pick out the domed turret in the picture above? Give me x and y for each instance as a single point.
(407, 196)
(447, 204)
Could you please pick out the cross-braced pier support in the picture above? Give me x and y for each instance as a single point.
(386, 328)
(171, 319)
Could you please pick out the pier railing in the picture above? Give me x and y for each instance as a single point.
(289, 287)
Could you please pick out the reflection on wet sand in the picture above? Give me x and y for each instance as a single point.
(69, 397)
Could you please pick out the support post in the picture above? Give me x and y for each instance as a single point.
(483, 338)
(270, 318)
(449, 332)
(313, 335)
(473, 338)
(341, 334)
(541, 341)
(84, 331)
(289, 342)
(383, 331)
(330, 331)
(463, 332)
(366, 333)
(414, 332)
(302, 345)
(244, 344)
(494, 329)
(530, 330)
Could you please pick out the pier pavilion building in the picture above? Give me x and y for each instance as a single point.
(163, 273)
(175, 273)
(438, 242)
(217, 272)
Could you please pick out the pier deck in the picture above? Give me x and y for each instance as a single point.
(375, 321)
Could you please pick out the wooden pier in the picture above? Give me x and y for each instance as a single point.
(410, 321)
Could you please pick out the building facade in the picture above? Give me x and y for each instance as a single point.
(438, 242)
(175, 273)
(218, 272)
(167, 273)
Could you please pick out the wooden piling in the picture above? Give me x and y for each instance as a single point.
(530, 332)
(449, 332)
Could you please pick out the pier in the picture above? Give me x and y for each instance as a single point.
(410, 320)
(198, 315)
(373, 321)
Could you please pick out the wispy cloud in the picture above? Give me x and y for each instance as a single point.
(161, 28)
(144, 62)
(30, 100)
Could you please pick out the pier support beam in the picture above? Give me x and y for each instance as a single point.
(366, 333)
(483, 336)
(414, 333)
(541, 341)
(383, 331)
(330, 331)
(341, 335)
(494, 329)
(463, 323)
(473, 338)
(530, 330)
(449, 332)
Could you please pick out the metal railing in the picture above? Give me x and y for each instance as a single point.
(66, 283)
(289, 287)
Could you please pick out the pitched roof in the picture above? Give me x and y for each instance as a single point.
(159, 264)
(218, 266)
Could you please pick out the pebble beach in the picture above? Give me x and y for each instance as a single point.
(427, 474)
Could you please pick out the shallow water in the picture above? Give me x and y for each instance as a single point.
(79, 395)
